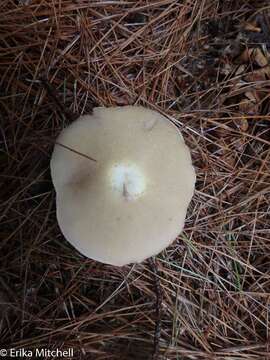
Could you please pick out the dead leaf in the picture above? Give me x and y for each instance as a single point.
(244, 57)
(247, 107)
(242, 123)
(252, 96)
(256, 75)
(252, 26)
(241, 70)
(259, 57)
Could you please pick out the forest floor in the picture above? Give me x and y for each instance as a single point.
(204, 63)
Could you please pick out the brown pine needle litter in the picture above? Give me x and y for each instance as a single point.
(204, 63)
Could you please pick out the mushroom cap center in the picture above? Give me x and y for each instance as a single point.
(128, 180)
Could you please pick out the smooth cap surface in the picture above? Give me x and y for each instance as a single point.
(131, 202)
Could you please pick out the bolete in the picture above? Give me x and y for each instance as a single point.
(124, 179)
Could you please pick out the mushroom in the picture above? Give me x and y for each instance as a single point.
(124, 179)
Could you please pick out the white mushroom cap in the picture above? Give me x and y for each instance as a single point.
(131, 202)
